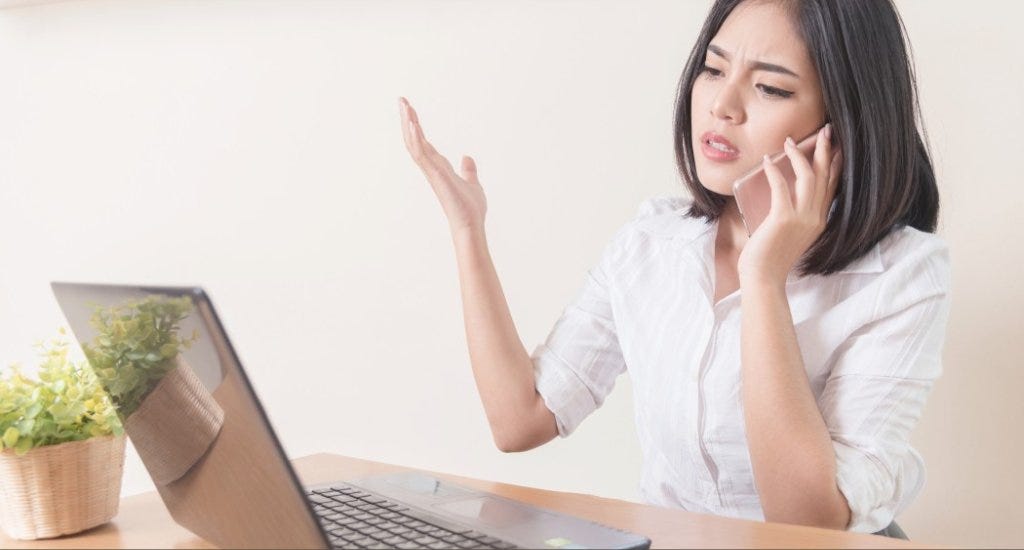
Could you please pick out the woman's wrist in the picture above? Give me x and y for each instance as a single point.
(760, 284)
(469, 235)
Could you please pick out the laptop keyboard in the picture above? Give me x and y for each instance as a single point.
(354, 518)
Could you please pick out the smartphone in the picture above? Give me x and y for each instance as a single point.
(752, 191)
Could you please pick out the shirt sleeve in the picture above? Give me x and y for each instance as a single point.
(576, 366)
(876, 391)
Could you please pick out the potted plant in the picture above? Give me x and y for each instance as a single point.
(61, 448)
(170, 416)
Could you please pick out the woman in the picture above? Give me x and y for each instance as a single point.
(777, 375)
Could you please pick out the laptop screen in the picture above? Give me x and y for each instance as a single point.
(191, 413)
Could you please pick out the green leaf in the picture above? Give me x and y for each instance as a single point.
(25, 426)
(59, 412)
(23, 446)
(168, 350)
(34, 409)
(11, 437)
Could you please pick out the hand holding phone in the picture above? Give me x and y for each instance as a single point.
(753, 192)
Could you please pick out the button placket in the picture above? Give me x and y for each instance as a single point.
(712, 468)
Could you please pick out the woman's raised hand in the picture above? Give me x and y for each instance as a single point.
(462, 197)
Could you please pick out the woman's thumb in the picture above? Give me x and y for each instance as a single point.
(469, 169)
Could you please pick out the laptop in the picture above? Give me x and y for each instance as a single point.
(207, 442)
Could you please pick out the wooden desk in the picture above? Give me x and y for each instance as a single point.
(143, 522)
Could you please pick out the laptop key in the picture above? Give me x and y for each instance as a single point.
(363, 542)
(387, 525)
(438, 522)
(426, 529)
(353, 536)
(376, 534)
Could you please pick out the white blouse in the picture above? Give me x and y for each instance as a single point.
(871, 337)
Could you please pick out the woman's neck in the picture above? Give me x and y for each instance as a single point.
(732, 234)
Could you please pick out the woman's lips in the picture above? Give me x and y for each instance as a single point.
(717, 148)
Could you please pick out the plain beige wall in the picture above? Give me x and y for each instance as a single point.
(254, 147)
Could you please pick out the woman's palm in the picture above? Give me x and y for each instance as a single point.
(462, 197)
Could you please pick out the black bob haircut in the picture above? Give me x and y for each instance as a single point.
(863, 59)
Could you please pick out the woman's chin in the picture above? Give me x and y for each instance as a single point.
(716, 182)
(722, 188)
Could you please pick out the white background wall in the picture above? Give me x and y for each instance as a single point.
(255, 148)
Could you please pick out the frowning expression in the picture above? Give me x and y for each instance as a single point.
(757, 87)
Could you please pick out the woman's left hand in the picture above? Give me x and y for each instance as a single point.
(793, 223)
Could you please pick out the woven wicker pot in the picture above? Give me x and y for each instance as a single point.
(175, 424)
(61, 489)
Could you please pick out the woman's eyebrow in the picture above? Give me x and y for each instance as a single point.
(755, 65)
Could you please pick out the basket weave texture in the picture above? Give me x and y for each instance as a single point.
(175, 424)
(61, 489)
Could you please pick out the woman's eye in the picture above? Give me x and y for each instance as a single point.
(767, 90)
(773, 91)
(710, 71)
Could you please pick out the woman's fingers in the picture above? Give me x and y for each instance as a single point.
(418, 146)
(432, 163)
(781, 201)
(804, 174)
(406, 126)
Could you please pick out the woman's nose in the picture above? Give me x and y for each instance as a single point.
(727, 105)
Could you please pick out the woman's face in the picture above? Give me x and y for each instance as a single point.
(758, 88)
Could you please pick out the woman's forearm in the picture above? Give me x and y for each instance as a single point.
(502, 368)
(790, 447)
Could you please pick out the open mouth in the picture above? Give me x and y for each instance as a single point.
(716, 147)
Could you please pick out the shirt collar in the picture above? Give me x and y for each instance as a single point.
(871, 262)
(679, 227)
